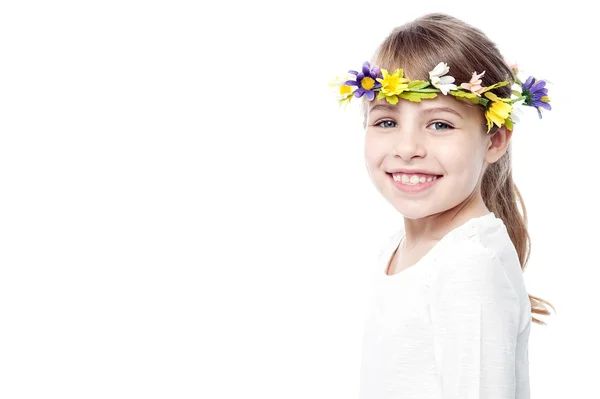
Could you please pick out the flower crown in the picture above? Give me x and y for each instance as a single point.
(498, 111)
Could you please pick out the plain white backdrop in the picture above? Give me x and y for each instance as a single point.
(185, 211)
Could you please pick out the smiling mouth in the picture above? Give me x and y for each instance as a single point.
(413, 179)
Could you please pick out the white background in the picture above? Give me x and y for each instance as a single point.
(185, 211)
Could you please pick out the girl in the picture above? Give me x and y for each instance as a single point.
(451, 316)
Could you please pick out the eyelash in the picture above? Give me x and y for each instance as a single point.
(443, 123)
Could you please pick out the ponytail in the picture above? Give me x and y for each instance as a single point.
(502, 197)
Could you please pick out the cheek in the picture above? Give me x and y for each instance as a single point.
(461, 158)
(373, 150)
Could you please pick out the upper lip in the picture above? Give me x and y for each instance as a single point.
(413, 172)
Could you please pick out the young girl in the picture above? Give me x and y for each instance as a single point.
(450, 316)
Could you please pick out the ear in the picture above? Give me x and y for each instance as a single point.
(497, 144)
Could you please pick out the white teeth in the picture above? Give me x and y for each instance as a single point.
(412, 179)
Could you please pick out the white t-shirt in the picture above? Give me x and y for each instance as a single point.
(453, 326)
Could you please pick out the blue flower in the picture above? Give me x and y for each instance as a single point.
(366, 81)
(536, 94)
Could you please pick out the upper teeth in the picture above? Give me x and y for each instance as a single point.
(412, 179)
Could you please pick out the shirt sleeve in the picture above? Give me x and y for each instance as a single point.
(475, 318)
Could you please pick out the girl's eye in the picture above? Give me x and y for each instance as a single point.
(386, 124)
(441, 126)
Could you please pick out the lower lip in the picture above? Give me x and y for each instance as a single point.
(413, 188)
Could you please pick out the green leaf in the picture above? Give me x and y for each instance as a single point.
(426, 90)
(495, 85)
(459, 93)
(514, 100)
(471, 97)
(345, 101)
(508, 123)
(418, 84)
(516, 93)
(415, 96)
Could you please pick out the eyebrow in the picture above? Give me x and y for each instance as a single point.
(393, 108)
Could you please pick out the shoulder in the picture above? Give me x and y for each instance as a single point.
(481, 244)
(471, 287)
(467, 263)
(463, 255)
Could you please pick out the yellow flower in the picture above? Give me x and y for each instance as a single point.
(498, 111)
(392, 85)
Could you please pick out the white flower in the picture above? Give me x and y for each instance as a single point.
(440, 69)
(444, 83)
(342, 90)
(517, 112)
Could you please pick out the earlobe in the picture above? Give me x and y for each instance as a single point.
(498, 144)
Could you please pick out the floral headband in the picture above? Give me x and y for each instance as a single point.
(498, 111)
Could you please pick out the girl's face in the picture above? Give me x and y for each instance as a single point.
(425, 158)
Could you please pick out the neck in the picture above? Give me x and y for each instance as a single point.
(433, 227)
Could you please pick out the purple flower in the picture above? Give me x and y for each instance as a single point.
(536, 94)
(366, 81)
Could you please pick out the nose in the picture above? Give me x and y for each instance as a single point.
(410, 145)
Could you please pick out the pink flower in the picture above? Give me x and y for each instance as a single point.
(475, 84)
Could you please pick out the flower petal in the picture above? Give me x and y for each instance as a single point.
(491, 96)
(545, 105)
(392, 99)
(446, 79)
(447, 87)
(375, 71)
(366, 68)
(439, 70)
(539, 85)
(530, 80)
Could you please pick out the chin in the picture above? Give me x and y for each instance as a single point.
(414, 212)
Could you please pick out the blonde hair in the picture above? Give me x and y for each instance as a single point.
(420, 45)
